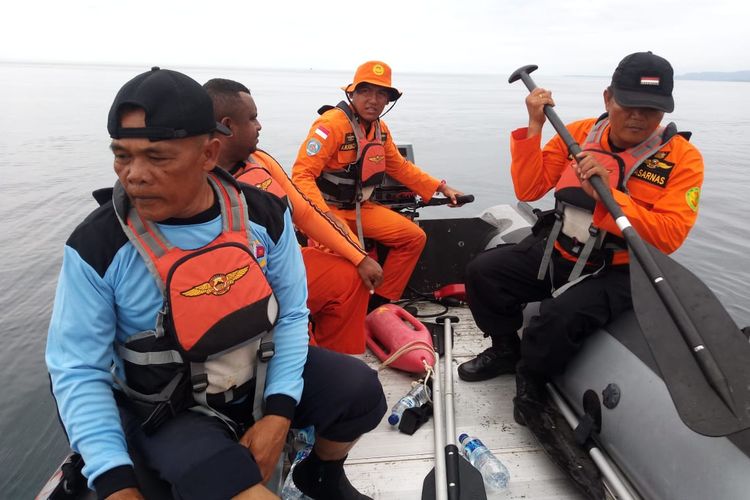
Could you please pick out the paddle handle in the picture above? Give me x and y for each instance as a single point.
(438, 409)
(451, 450)
(689, 333)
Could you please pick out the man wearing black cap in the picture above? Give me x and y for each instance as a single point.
(577, 264)
(179, 330)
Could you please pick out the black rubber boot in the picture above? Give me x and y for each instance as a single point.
(324, 480)
(500, 359)
(530, 393)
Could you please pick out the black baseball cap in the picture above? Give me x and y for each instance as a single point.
(176, 106)
(644, 80)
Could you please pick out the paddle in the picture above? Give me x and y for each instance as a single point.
(453, 477)
(661, 308)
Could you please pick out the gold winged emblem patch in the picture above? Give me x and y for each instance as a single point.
(376, 158)
(218, 284)
(264, 185)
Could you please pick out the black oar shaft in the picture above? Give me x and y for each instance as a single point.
(687, 329)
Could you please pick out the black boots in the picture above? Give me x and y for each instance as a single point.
(497, 360)
(324, 480)
(530, 393)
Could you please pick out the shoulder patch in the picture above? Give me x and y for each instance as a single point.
(313, 147)
(322, 132)
(692, 197)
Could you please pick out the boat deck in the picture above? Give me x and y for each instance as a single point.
(387, 464)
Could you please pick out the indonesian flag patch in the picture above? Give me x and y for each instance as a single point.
(650, 80)
(322, 132)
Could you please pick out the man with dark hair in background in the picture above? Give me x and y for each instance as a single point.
(337, 297)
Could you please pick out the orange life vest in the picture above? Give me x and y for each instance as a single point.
(218, 310)
(573, 229)
(357, 182)
(257, 175)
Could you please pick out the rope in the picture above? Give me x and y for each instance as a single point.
(414, 345)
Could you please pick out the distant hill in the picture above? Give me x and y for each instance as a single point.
(718, 76)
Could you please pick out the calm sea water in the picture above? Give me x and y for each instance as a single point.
(53, 153)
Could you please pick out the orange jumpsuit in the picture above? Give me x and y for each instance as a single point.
(331, 145)
(662, 204)
(337, 297)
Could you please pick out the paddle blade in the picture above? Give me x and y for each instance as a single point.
(697, 402)
(428, 486)
(470, 483)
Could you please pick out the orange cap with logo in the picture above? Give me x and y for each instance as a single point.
(374, 72)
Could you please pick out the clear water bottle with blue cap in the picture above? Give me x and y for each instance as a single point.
(417, 396)
(493, 471)
(303, 443)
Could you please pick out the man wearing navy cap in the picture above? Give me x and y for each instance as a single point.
(179, 330)
(576, 262)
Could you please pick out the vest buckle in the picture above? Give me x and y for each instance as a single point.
(163, 412)
(266, 351)
(199, 382)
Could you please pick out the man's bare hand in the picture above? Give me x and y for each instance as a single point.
(587, 166)
(265, 440)
(451, 193)
(371, 273)
(535, 102)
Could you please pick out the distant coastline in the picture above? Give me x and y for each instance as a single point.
(717, 76)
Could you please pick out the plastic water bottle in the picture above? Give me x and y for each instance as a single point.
(494, 473)
(305, 438)
(417, 396)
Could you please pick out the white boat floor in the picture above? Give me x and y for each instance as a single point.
(387, 464)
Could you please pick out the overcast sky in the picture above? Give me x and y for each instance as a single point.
(438, 36)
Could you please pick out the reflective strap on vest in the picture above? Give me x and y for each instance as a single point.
(162, 397)
(567, 286)
(148, 358)
(547, 256)
(358, 222)
(266, 351)
(337, 179)
(583, 257)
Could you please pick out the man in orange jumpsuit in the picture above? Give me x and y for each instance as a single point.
(654, 174)
(345, 156)
(340, 276)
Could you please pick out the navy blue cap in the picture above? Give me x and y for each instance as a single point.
(644, 80)
(176, 106)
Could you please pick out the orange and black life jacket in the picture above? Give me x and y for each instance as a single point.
(213, 337)
(355, 183)
(573, 229)
(257, 175)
